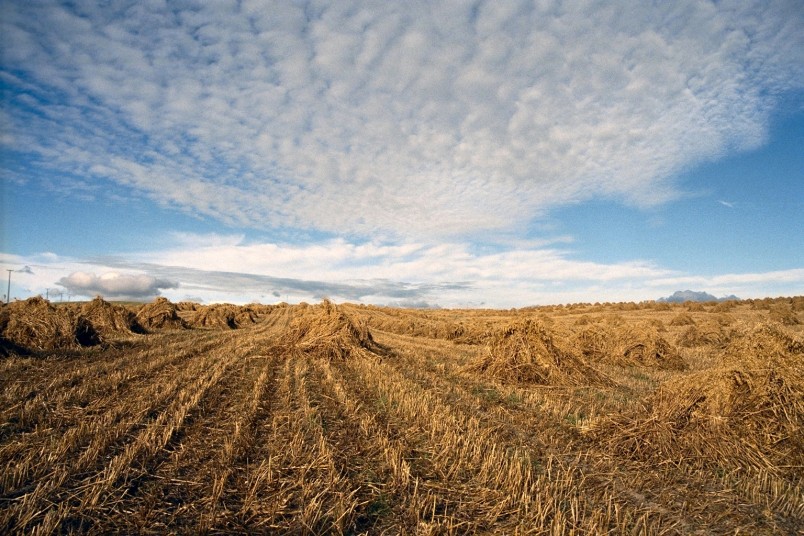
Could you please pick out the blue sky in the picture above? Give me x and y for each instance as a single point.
(488, 153)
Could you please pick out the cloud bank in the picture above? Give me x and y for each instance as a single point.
(405, 120)
(115, 285)
(229, 269)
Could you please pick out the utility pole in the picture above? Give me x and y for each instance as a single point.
(8, 295)
(47, 294)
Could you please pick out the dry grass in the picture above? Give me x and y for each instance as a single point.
(313, 420)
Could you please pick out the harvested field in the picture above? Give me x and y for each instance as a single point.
(313, 419)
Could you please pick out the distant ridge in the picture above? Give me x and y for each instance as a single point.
(681, 296)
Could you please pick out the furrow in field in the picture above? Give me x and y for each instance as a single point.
(257, 484)
(80, 485)
(226, 498)
(376, 471)
(381, 460)
(178, 486)
(439, 366)
(518, 414)
(192, 431)
(293, 483)
(427, 460)
(475, 478)
(53, 401)
(547, 419)
(71, 434)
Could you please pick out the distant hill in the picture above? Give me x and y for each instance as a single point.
(681, 296)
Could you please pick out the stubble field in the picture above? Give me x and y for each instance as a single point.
(345, 419)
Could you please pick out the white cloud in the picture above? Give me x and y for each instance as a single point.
(416, 120)
(417, 263)
(115, 285)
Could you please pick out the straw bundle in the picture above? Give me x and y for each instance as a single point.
(469, 333)
(223, 316)
(724, 319)
(783, 314)
(627, 346)
(184, 306)
(682, 319)
(703, 335)
(161, 314)
(594, 342)
(220, 316)
(260, 309)
(421, 325)
(109, 320)
(767, 343)
(749, 410)
(724, 307)
(34, 324)
(643, 346)
(326, 331)
(526, 352)
(250, 314)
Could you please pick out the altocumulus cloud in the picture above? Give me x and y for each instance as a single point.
(414, 120)
(115, 285)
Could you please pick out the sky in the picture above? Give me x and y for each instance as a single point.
(492, 153)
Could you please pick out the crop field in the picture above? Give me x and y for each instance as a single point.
(345, 419)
